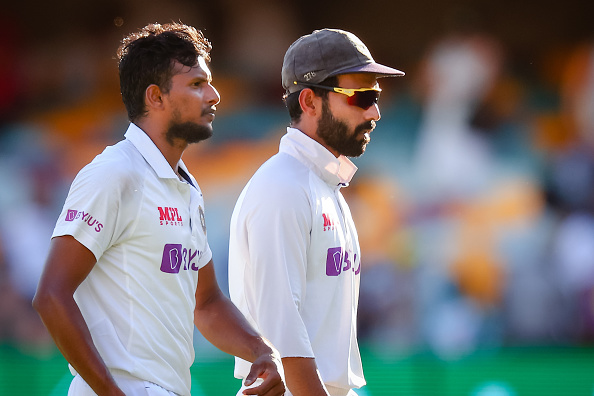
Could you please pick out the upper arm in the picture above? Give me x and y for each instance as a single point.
(68, 264)
(279, 226)
(269, 248)
(208, 287)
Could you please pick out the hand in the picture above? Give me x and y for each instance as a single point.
(265, 376)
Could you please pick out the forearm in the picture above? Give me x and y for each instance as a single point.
(223, 325)
(302, 377)
(66, 325)
(219, 320)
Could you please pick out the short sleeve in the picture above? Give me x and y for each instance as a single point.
(92, 212)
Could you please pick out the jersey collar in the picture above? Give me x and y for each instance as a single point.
(334, 171)
(151, 153)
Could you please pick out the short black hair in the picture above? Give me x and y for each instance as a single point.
(148, 56)
(292, 100)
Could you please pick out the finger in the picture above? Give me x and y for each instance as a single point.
(252, 376)
(254, 387)
(277, 390)
(271, 386)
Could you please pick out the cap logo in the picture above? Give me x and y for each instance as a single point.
(309, 76)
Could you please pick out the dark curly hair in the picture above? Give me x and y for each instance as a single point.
(147, 57)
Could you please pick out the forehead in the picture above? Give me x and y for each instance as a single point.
(357, 80)
(200, 70)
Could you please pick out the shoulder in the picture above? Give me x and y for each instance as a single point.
(278, 196)
(118, 165)
(282, 169)
(281, 177)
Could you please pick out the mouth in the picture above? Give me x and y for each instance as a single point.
(367, 137)
(209, 113)
(366, 129)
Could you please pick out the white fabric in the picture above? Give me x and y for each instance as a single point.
(294, 259)
(129, 385)
(146, 229)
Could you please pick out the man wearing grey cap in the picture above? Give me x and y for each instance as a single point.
(295, 262)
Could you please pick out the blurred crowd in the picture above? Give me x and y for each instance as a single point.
(474, 201)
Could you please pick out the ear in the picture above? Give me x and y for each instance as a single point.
(153, 97)
(309, 102)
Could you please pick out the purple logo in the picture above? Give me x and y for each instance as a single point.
(176, 257)
(334, 261)
(338, 261)
(86, 217)
(172, 258)
(71, 215)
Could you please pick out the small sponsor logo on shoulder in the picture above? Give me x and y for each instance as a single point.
(85, 217)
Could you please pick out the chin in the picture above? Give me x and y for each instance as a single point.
(189, 131)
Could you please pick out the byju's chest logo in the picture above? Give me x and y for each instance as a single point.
(176, 258)
(338, 261)
(169, 216)
(81, 215)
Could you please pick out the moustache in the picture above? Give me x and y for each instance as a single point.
(366, 126)
(209, 110)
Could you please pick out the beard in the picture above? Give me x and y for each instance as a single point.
(189, 131)
(335, 133)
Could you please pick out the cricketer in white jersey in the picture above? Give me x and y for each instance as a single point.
(294, 260)
(129, 273)
(131, 210)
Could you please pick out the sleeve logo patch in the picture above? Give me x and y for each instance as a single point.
(85, 217)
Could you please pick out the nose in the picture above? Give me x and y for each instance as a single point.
(373, 113)
(213, 97)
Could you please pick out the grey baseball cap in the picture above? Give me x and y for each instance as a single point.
(326, 53)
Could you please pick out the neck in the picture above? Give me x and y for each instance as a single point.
(172, 151)
(311, 130)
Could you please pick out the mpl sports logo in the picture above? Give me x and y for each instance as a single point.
(170, 216)
(329, 222)
(86, 217)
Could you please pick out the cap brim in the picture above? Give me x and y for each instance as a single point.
(376, 68)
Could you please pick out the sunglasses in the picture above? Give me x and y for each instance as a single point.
(360, 97)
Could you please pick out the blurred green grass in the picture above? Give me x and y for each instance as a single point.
(551, 371)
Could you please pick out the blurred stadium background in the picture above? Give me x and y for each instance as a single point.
(474, 200)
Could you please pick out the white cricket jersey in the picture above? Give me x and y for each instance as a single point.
(294, 259)
(146, 228)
